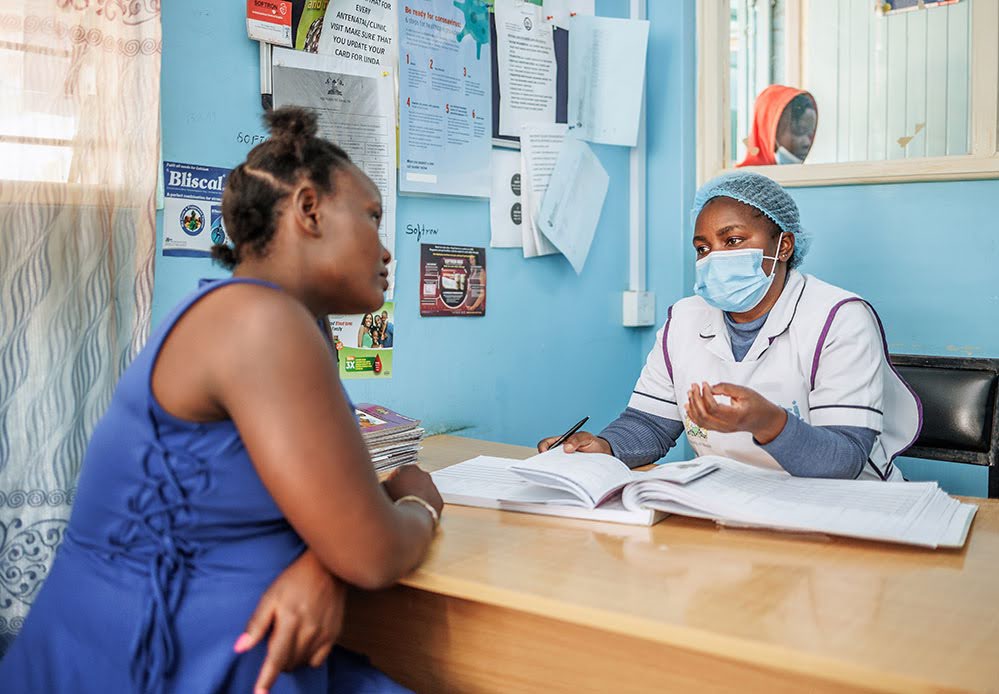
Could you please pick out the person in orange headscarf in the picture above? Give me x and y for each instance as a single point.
(784, 124)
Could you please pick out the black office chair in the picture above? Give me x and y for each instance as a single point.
(960, 410)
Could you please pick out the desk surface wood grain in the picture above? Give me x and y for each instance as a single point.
(862, 613)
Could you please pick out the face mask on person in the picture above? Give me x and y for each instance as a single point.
(784, 156)
(734, 281)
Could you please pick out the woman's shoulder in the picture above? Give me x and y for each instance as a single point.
(817, 290)
(241, 314)
(690, 310)
(830, 307)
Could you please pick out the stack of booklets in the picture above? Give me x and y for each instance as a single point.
(600, 487)
(392, 439)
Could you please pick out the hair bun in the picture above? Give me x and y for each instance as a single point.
(292, 122)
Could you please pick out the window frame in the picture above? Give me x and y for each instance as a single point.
(714, 139)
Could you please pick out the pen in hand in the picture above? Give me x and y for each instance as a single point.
(561, 439)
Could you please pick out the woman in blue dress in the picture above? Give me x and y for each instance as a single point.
(227, 490)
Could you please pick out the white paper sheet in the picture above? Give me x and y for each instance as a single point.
(505, 207)
(355, 107)
(445, 98)
(607, 78)
(525, 55)
(540, 144)
(571, 206)
(361, 31)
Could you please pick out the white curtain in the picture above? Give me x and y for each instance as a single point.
(79, 148)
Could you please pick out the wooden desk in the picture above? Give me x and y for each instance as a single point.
(509, 602)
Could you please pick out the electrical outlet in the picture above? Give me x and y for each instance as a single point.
(639, 309)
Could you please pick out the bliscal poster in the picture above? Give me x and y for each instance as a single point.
(364, 343)
(192, 209)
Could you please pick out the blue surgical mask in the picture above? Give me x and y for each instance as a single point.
(734, 281)
(784, 156)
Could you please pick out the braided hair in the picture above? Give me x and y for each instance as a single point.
(255, 189)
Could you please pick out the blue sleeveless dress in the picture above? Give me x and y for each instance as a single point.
(172, 541)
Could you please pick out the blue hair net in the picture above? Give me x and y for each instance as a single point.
(766, 195)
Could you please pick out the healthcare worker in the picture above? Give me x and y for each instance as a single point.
(764, 364)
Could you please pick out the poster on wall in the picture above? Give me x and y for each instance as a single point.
(355, 106)
(364, 343)
(452, 280)
(294, 24)
(192, 209)
(445, 119)
(360, 31)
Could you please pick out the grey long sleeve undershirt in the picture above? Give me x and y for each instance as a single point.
(639, 438)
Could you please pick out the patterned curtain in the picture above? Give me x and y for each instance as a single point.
(79, 147)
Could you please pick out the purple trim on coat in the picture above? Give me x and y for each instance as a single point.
(884, 346)
(919, 403)
(822, 338)
(669, 364)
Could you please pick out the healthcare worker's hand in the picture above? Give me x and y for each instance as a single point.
(747, 411)
(582, 441)
(302, 610)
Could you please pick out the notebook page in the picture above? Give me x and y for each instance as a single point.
(743, 494)
(484, 477)
(679, 472)
(595, 475)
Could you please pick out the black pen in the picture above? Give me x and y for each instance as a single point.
(561, 439)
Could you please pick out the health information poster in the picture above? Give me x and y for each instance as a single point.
(364, 343)
(452, 280)
(445, 87)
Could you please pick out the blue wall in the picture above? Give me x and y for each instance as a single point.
(551, 347)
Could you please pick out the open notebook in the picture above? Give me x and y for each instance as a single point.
(580, 485)
(600, 487)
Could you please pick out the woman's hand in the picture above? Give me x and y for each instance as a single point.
(303, 611)
(411, 480)
(582, 441)
(748, 411)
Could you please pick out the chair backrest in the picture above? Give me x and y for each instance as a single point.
(960, 409)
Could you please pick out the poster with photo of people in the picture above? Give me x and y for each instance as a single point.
(452, 280)
(364, 343)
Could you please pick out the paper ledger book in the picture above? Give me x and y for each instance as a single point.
(600, 487)
(580, 485)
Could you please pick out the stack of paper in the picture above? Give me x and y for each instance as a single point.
(916, 513)
(392, 439)
(600, 487)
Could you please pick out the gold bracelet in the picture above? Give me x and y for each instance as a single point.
(413, 499)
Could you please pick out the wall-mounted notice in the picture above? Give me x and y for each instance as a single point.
(570, 208)
(269, 21)
(452, 280)
(506, 214)
(291, 23)
(526, 71)
(364, 343)
(540, 144)
(445, 84)
(607, 78)
(360, 31)
(355, 106)
(192, 209)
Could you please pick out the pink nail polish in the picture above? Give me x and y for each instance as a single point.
(242, 643)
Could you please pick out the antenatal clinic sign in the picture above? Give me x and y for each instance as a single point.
(192, 209)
